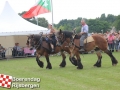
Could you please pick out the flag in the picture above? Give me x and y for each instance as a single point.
(5, 81)
(43, 6)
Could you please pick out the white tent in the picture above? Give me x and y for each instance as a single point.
(12, 24)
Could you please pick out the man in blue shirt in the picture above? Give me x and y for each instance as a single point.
(84, 34)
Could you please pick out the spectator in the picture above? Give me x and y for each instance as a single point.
(111, 42)
(14, 51)
(20, 50)
(119, 41)
(1, 47)
(116, 41)
(17, 50)
(107, 33)
(2, 51)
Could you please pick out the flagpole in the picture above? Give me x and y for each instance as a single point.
(52, 13)
(37, 20)
(36, 16)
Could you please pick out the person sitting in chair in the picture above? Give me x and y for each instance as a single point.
(51, 34)
(20, 50)
(84, 34)
(14, 51)
(2, 51)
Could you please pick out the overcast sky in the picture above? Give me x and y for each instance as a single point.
(69, 9)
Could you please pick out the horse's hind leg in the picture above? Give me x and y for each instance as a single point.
(113, 59)
(40, 63)
(98, 63)
(63, 63)
(49, 66)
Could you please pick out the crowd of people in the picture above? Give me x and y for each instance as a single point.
(17, 51)
(113, 39)
(22, 51)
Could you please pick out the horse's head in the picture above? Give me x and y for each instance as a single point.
(60, 36)
(30, 41)
(33, 40)
(64, 36)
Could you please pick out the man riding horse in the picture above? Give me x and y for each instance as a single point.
(41, 43)
(51, 39)
(95, 42)
(84, 34)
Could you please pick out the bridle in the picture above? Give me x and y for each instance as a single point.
(64, 38)
(38, 44)
(60, 39)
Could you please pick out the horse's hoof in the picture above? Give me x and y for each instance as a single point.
(73, 61)
(97, 65)
(62, 65)
(41, 64)
(114, 64)
(79, 67)
(49, 66)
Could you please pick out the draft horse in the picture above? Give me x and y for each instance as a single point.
(43, 49)
(95, 42)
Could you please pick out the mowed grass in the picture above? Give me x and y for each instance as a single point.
(69, 78)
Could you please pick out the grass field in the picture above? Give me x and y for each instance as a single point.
(69, 78)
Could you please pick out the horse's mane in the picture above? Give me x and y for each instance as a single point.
(67, 33)
(36, 37)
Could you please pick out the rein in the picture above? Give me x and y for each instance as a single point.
(38, 43)
(64, 38)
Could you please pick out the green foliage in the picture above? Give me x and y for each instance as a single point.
(97, 25)
(117, 22)
(69, 24)
(42, 22)
(110, 18)
(103, 17)
(103, 22)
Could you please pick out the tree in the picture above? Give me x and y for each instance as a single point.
(117, 22)
(42, 22)
(103, 17)
(110, 18)
(69, 24)
(97, 25)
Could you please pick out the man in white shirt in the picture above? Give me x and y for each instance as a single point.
(84, 34)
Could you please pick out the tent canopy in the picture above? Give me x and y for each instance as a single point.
(13, 24)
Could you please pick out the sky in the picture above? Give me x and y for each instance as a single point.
(69, 9)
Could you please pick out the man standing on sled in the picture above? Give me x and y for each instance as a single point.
(84, 34)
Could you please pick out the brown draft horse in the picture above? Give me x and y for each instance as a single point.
(98, 43)
(43, 49)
